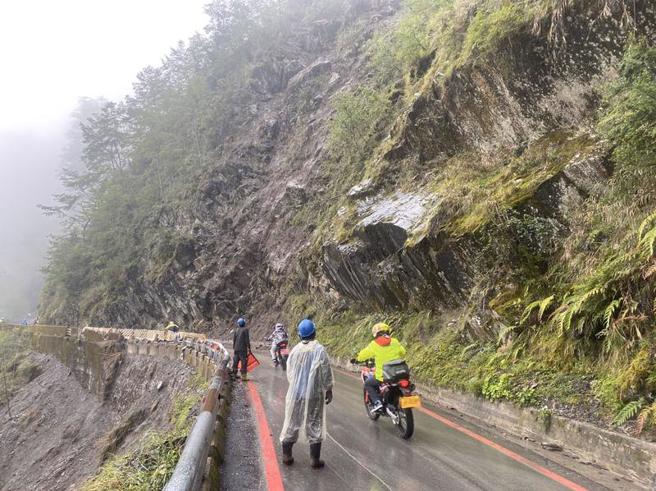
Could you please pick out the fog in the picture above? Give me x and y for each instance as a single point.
(27, 177)
(53, 53)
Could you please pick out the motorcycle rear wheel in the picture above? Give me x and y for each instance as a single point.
(406, 424)
(283, 363)
(367, 405)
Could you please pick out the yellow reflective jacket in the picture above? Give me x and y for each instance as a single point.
(382, 353)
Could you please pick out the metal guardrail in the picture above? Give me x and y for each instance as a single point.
(192, 465)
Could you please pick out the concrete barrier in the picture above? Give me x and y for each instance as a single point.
(93, 358)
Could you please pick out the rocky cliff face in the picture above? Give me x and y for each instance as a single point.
(239, 246)
(408, 231)
(532, 99)
(477, 172)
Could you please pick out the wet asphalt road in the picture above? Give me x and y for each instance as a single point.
(242, 467)
(364, 455)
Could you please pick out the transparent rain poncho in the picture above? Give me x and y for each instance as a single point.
(309, 375)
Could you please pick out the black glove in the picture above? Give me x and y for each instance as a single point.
(354, 361)
(329, 396)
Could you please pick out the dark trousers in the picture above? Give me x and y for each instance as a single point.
(243, 356)
(372, 386)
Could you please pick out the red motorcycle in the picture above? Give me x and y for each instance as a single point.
(397, 394)
(282, 353)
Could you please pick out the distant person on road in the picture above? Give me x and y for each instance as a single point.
(278, 335)
(241, 343)
(173, 327)
(310, 384)
(383, 349)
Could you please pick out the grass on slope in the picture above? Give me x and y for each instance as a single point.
(16, 368)
(151, 464)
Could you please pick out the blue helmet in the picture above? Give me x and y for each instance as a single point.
(306, 328)
(241, 322)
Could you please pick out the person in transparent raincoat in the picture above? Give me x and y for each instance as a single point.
(310, 384)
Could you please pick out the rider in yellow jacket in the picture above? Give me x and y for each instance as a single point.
(383, 349)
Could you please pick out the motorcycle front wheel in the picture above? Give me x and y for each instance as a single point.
(283, 363)
(406, 424)
(367, 405)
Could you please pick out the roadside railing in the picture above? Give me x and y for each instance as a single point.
(196, 462)
(200, 458)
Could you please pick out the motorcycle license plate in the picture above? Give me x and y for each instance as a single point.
(410, 401)
(284, 352)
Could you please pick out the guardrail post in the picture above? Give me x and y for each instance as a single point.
(217, 448)
(207, 367)
(143, 347)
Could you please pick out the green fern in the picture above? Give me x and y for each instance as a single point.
(610, 311)
(574, 306)
(647, 242)
(542, 305)
(467, 349)
(565, 319)
(591, 293)
(629, 411)
(647, 417)
(649, 220)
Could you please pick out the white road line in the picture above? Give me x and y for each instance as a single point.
(358, 462)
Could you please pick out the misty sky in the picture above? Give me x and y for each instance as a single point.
(51, 53)
(54, 51)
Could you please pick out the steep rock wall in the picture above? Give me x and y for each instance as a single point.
(239, 245)
(531, 96)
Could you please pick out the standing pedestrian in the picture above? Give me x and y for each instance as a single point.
(310, 384)
(241, 344)
(172, 326)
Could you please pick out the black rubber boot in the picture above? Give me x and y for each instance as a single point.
(315, 453)
(287, 458)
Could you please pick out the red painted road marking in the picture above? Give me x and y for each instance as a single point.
(271, 467)
(508, 453)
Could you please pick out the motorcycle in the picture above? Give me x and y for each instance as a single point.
(397, 394)
(282, 353)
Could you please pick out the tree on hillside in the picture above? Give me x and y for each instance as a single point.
(142, 157)
(87, 107)
(73, 168)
